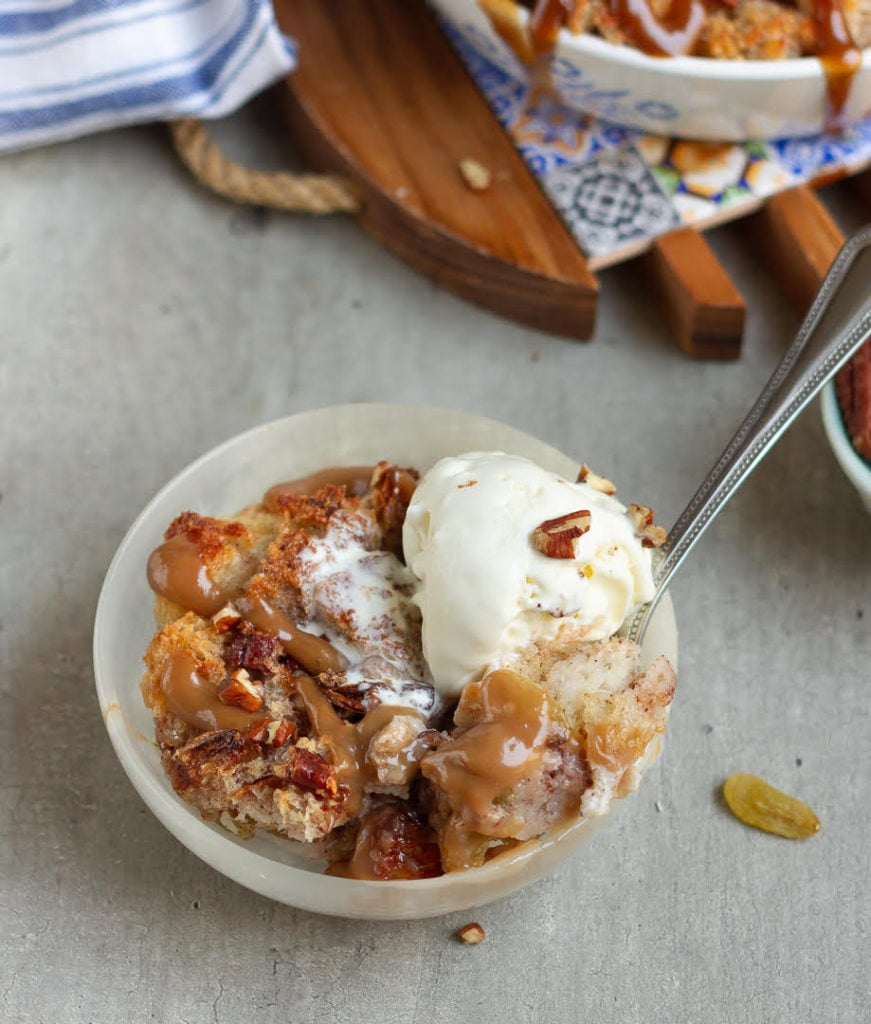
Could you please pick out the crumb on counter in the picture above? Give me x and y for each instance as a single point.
(471, 934)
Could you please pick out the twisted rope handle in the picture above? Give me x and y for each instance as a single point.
(295, 193)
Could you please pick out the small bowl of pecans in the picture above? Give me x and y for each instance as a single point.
(846, 409)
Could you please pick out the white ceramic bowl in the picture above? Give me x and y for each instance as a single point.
(688, 97)
(221, 482)
(857, 469)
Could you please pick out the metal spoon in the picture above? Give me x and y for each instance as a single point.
(838, 324)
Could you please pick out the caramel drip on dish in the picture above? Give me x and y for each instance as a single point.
(545, 22)
(838, 54)
(315, 654)
(504, 18)
(349, 743)
(669, 35)
(195, 700)
(176, 572)
(505, 745)
(354, 478)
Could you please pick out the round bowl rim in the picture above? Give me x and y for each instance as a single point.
(762, 71)
(219, 848)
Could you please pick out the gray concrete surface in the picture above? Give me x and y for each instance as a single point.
(142, 322)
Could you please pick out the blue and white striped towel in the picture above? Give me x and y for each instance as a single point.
(69, 67)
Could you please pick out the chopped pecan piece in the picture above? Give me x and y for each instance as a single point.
(652, 536)
(225, 619)
(254, 651)
(272, 731)
(390, 492)
(556, 538)
(242, 692)
(598, 483)
(471, 933)
(348, 696)
(311, 772)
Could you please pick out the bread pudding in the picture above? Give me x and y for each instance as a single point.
(296, 684)
(723, 29)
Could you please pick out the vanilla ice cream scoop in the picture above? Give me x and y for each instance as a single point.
(487, 589)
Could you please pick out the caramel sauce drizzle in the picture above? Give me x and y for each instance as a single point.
(195, 700)
(669, 35)
(489, 759)
(315, 654)
(355, 478)
(504, 18)
(673, 33)
(482, 765)
(176, 572)
(349, 743)
(545, 22)
(838, 54)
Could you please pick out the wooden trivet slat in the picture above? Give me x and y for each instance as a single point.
(701, 305)
(797, 239)
(380, 96)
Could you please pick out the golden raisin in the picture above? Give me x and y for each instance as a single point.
(754, 802)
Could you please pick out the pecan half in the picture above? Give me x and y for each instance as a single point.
(556, 538)
(652, 536)
(272, 731)
(348, 697)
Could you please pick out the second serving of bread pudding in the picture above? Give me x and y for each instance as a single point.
(720, 29)
(407, 678)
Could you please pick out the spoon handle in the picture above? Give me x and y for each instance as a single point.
(838, 323)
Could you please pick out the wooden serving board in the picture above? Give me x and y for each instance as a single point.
(380, 96)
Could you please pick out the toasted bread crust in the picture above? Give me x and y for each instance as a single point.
(269, 554)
